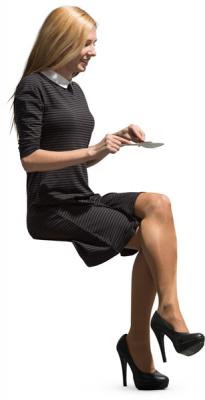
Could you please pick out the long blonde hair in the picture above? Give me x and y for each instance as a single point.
(60, 39)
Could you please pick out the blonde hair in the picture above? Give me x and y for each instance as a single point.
(60, 39)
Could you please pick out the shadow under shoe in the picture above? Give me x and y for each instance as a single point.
(142, 380)
(184, 343)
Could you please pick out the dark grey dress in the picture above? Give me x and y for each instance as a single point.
(60, 203)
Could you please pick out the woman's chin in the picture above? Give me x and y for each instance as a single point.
(81, 67)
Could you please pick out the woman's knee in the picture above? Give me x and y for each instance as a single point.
(150, 203)
(161, 208)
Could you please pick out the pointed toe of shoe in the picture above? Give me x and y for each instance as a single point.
(154, 381)
(191, 344)
(200, 336)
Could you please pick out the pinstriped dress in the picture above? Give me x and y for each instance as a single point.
(52, 113)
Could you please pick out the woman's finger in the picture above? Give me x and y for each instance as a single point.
(120, 139)
(137, 132)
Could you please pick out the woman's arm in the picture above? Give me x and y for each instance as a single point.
(94, 161)
(45, 160)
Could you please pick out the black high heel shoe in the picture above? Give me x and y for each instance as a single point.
(184, 343)
(142, 380)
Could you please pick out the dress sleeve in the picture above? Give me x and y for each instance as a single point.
(28, 116)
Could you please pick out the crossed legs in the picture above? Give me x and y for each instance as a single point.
(154, 271)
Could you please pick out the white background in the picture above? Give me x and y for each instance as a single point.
(64, 319)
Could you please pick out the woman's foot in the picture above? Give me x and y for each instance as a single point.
(141, 354)
(173, 315)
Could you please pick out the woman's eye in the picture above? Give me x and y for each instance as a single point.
(88, 44)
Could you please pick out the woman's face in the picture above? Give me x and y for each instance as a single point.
(88, 51)
(80, 63)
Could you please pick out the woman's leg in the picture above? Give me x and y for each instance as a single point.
(156, 237)
(143, 293)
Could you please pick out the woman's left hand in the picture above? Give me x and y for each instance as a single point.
(132, 132)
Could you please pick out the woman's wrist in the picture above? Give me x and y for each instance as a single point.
(92, 153)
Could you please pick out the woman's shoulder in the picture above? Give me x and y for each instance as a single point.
(31, 82)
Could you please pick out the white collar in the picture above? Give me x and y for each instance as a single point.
(57, 78)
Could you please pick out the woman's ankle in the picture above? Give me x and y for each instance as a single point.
(170, 309)
(141, 336)
(172, 314)
(141, 354)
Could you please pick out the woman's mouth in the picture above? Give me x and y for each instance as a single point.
(84, 62)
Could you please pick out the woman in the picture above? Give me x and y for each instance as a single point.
(54, 126)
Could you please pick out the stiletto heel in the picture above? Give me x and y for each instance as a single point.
(124, 369)
(160, 338)
(142, 380)
(184, 343)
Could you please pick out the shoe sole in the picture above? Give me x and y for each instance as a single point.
(193, 349)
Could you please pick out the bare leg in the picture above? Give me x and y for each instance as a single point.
(142, 297)
(156, 237)
(154, 270)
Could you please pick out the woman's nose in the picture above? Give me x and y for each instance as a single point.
(92, 51)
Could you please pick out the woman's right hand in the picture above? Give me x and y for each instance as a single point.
(111, 143)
